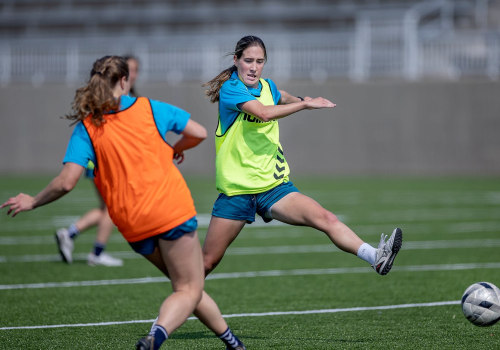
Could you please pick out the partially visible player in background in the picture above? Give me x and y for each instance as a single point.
(95, 217)
(98, 216)
(126, 138)
(133, 71)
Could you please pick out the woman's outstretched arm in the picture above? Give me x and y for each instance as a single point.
(58, 187)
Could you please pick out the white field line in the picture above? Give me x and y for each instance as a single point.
(291, 249)
(490, 224)
(263, 314)
(376, 217)
(363, 230)
(52, 223)
(253, 274)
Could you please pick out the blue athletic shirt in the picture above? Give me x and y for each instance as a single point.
(233, 93)
(167, 118)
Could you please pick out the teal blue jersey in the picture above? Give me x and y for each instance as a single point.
(234, 93)
(249, 156)
(167, 118)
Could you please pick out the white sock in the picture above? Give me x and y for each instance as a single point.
(367, 253)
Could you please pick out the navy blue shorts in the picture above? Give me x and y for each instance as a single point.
(245, 206)
(148, 245)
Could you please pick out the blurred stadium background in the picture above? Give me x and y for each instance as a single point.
(416, 82)
(417, 87)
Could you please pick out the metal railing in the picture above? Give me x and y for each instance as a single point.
(381, 45)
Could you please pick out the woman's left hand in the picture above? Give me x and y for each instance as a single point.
(319, 102)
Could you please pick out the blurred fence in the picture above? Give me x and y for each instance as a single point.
(357, 56)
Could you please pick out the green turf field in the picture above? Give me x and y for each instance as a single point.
(281, 287)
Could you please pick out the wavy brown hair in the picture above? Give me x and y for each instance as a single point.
(214, 85)
(96, 98)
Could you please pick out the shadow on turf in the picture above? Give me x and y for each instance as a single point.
(186, 335)
(191, 335)
(201, 335)
(321, 343)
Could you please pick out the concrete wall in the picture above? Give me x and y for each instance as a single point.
(425, 128)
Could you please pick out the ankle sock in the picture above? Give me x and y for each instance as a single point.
(73, 231)
(230, 339)
(98, 248)
(367, 253)
(160, 334)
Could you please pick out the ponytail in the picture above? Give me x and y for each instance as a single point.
(96, 98)
(214, 85)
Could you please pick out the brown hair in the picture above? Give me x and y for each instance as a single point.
(214, 85)
(96, 97)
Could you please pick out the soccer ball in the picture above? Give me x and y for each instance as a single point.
(481, 304)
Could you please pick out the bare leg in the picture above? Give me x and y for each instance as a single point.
(221, 232)
(104, 228)
(298, 209)
(89, 219)
(209, 314)
(183, 260)
(93, 216)
(207, 310)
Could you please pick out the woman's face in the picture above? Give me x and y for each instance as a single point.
(133, 70)
(250, 65)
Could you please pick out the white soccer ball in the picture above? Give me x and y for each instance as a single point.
(481, 304)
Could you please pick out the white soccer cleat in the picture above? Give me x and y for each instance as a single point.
(65, 245)
(387, 251)
(103, 259)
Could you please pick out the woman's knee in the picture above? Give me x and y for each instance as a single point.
(192, 289)
(197, 293)
(330, 217)
(326, 219)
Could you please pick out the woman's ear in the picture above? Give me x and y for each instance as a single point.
(123, 82)
(124, 86)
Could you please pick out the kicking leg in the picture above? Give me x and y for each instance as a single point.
(298, 209)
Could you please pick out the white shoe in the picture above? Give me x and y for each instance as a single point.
(387, 251)
(65, 245)
(103, 259)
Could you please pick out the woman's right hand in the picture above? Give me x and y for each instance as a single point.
(179, 157)
(19, 203)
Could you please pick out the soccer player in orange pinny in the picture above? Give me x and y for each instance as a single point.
(146, 195)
